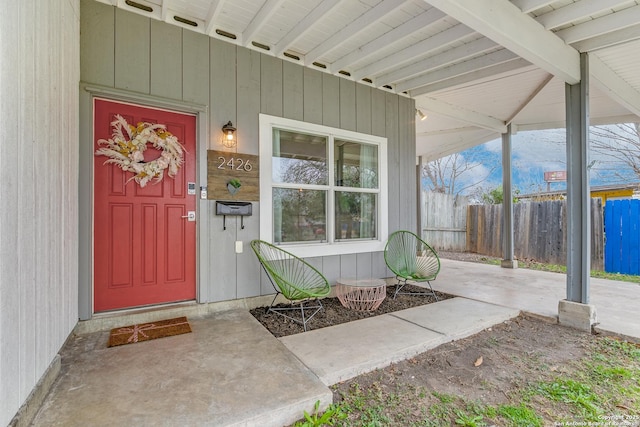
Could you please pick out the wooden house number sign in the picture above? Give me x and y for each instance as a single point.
(224, 166)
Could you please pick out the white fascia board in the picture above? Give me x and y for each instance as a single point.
(463, 115)
(504, 23)
(613, 85)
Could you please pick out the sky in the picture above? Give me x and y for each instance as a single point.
(533, 153)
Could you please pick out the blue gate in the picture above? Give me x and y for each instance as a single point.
(622, 231)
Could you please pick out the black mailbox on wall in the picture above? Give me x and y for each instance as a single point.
(241, 209)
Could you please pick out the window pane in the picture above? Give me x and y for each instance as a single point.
(356, 164)
(299, 215)
(355, 215)
(299, 158)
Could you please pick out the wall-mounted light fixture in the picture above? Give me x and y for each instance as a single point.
(422, 116)
(228, 135)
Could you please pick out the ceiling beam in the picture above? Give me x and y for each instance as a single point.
(610, 39)
(212, 16)
(305, 25)
(492, 72)
(497, 57)
(367, 19)
(461, 114)
(527, 6)
(456, 54)
(413, 52)
(605, 24)
(576, 11)
(613, 85)
(530, 98)
(386, 40)
(431, 148)
(260, 20)
(504, 23)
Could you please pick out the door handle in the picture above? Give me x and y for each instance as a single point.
(191, 216)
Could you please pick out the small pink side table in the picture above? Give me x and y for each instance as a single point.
(361, 295)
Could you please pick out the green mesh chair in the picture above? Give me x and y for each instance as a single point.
(295, 279)
(411, 259)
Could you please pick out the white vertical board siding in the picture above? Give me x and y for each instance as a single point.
(237, 84)
(39, 76)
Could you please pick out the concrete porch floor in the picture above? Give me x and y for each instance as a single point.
(230, 371)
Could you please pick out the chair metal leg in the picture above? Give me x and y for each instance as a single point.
(401, 284)
(304, 311)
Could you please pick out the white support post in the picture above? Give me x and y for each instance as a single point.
(578, 206)
(508, 260)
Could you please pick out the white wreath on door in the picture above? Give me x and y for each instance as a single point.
(126, 149)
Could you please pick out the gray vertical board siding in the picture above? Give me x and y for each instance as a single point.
(271, 85)
(223, 89)
(121, 50)
(96, 44)
(331, 268)
(378, 113)
(223, 84)
(248, 76)
(330, 98)
(348, 266)
(166, 46)
(195, 68)
(407, 161)
(312, 96)
(347, 105)
(292, 91)
(378, 266)
(363, 109)
(315, 262)
(132, 44)
(248, 101)
(393, 161)
(364, 266)
(222, 284)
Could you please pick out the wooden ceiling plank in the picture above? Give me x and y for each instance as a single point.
(414, 51)
(461, 114)
(527, 6)
(504, 23)
(576, 11)
(260, 20)
(610, 39)
(456, 54)
(304, 25)
(485, 61)
(605, 24)
(613, 85)
(421, 21)
(371, 17)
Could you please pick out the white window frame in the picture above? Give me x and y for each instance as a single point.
(331, 247)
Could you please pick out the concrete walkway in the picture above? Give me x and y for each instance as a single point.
(232, 372)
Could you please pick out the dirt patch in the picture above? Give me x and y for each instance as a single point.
(334, 313)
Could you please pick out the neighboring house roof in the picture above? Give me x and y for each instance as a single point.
(472, 66)
(603, 191)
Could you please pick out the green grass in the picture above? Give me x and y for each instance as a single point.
(605, 382)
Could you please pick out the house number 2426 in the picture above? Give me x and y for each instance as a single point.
(234, 164)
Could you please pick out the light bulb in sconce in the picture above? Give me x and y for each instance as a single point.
(228, 135)
(422, 116)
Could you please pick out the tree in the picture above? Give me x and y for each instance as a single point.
(620, 144)
(445, 175)
(495, 196)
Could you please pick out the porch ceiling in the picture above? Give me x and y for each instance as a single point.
(472, 66)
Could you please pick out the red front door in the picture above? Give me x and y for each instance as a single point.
(144, 243)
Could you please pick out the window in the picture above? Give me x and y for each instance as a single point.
(322, 190)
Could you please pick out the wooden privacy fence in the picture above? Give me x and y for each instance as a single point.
(539, 228)
(444, 221)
